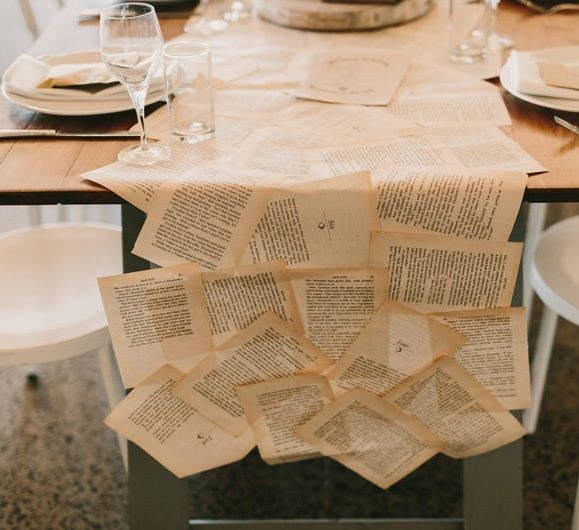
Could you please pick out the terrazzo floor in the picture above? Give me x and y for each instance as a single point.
(60, 467)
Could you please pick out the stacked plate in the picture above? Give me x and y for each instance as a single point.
(75, 100)
(521, 77)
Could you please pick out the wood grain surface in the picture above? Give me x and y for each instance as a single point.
(47, 171)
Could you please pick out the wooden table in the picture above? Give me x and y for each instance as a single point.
(47, 172)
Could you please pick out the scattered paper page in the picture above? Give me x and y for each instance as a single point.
(252, 104)
(466, 107)
(345, 124)
(472, 146)
(207, 216)
(495, 352)
(397, 343)
(320, 224)
(236, 298)
(138, 185)
(435, 273)
(268, 349)
(355, 77)
(275, 409)
(336, 304)
(466, 203)
(155, 316)
(371, 437)
(451, 403)
(283, 152)
(173, 432)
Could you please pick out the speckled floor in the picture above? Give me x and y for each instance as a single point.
(60, 467)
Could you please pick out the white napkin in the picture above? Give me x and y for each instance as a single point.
(527, 79)
(34, 78)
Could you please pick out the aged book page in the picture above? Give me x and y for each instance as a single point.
(138, 185)
(471, 146)
(268, 349)
(371, 437)
(436, 273)
(336, 304)
(443, 108)
(345, 124)
(237, 297)
(355, 76)
(495, 353)
(451, 403)
(397, 343)
(172, 431)
(320, 224)
(155, 316)
(459, 202)
(206, 216)
(275, 409)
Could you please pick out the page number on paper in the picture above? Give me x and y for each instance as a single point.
(328, 225)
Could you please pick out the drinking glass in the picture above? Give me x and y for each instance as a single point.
(496, 40)
(237, 10)
(468, 30)
(132, 48)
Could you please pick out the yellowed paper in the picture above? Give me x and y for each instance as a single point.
(207, 216)
(451, 403)
(173, 432)
(155, 316)
(444, 108)
(397, 343)
(466, 203)
(372, 438)
(355, 77)
(275, 409)
(495, 353)
(472, 146)
(237, 297)
(283, 152)
(320, 224)
(268, 349)
(436, 273)
(344, 124)
(336, 304)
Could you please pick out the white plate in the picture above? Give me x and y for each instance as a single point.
(62, 107)
(567, 105)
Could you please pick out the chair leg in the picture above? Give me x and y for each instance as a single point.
(114, 389)
(540, 367)
(535, 224)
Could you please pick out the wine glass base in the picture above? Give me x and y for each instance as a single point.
(147, 155)
(206, 27)
(498, 42)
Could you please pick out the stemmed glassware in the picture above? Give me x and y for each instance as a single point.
(203, 23)
(132, 48)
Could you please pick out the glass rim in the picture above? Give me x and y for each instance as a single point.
(203, 47)
(108, 11)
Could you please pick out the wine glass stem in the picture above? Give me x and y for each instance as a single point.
(138, 96)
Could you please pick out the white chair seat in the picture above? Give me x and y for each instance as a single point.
(555, 269)
(50, 304)
(554, 274)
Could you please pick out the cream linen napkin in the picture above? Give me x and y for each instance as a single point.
(526, 76)
(36, 79)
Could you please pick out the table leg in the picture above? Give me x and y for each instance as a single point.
(493, 482)
(157, 499)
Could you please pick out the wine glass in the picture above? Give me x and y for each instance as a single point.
(132, 48)
(203, 23)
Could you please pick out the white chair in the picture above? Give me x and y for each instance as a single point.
(49, 300)
(536, 214)
(554, 274)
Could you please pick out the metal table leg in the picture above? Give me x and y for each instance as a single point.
(157, 499)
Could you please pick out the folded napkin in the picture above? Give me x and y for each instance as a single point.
(38, 79)
(526, 76)
(559, 75)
